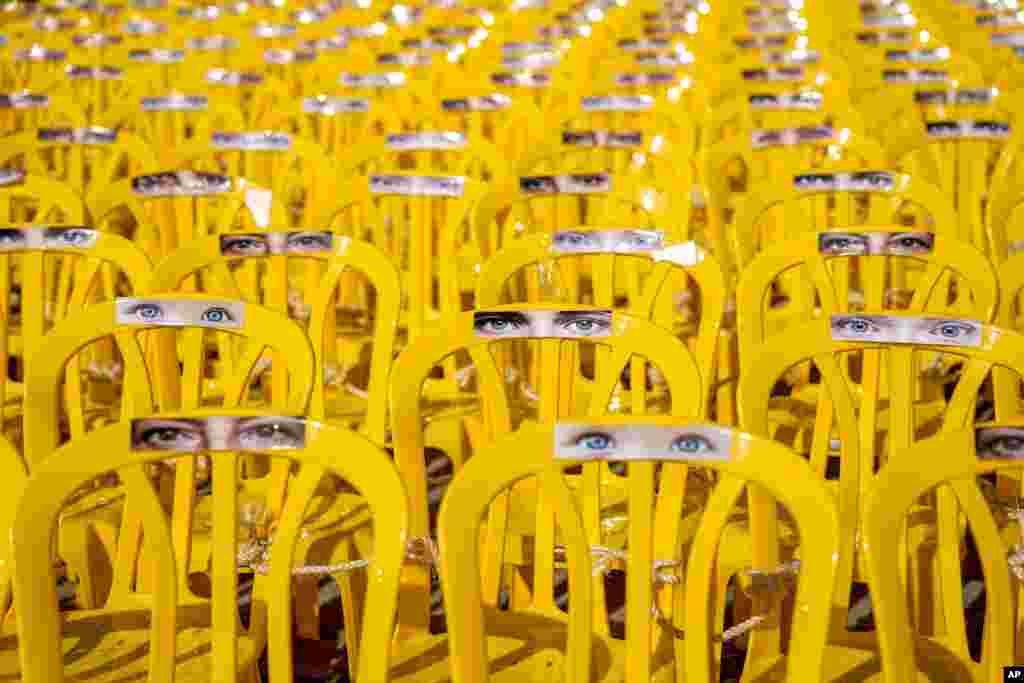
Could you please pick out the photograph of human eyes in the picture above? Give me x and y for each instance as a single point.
(946, 332)
(871, 181)
(220, 433)
(863, 327)
(538, 184)
(502, 323)
(999, 443)
(12, 238)
(137, 311)
(908, 243)
(76, 238)
(574, 240)
(842, 244)
(308, 242)
(581, 324)
(574, 441)
(244, 244)
(809, 181)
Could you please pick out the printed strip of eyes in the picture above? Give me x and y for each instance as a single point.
(962, 96)
(213, 43)
(143, 27)
(618, 103)
(634, 44)
(871, 242)
(788, 73)
(862, 181)
(888, 20)
(607, 241)
(262, 141)
(24, 100)
(806, 101)
(426, 186)
(773, 137)
(62, 237)
(915, 76)
(431, 140)
(760, 42)
(685, 443)
(650, 78)
(175, 103)
(898, 330)
(486, 103)
(879, 37)
(1014, 39)
(96, 39)
(522, 79)
(392, 79)
(777, 27)
(38, 53)
(170, 313)
(181, 183)
(232, 78)
(264, 243)
(602, 138)
(542, 324)
(1001, 20)
(404, 59)
(280, 56)
(938, 54)
(426, 44)
(967, 129)
(538, 60)
(95, 73)
(264, 30)
(999, 443)
(218, 433)
(328, 106)
(94, 135)
(794, 57)
(11, 176)
(157, 56)
(580, 183)
(660, 59)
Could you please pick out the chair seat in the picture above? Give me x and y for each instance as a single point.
(113, 645)
(521, 647)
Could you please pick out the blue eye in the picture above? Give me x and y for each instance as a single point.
(217, 314)
(952, 329)
(595, 441)
(856, 325)
(691, 444)
(149, 311)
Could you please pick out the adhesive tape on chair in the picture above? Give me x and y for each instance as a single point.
(898, 330)
(685, 443)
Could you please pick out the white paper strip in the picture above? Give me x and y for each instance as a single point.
(60, 237)
(579, 183)
(909, 243)
(532, 324)
(218, 433)
(415, 185)
(164, 313)
(683, 442)
(915, 330)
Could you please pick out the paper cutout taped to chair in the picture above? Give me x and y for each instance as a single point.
(428, 140)
(634, 44)
(879, 37)
(859, 181)
(602, 138)
(911, 330)
(799, 57)
(213, 43)
(295, 243)
(759, 42)
(785, 73)
(495, 102)
(686, 443)
(522, 79)
(956, 96)
(218, 433)
(93, 135)
(93, 73)
(281, 56)
(625, 241)
(915, 75)
(648, 78)
(803, 101)
(921, 56)
(418, 185)
(11, 176)
(774, 137)
(181, 184)
(888, 20)
(38, 53)
(999, 443)
(143, 27)
(57, 238)
(404, 59)
(618, 103)
(1013, 39)
(24, 100)
(534, 324)
(89, 40)
(266, 30)
(175, 103)
(978, 130)
(391, 79)
(1000, 20)
(157, 56)
(578, 183)
(232, 78)
(908, 243)
(264, 141)
(179, 313)
(325, 105)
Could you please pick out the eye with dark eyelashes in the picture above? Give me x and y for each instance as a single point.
(217, 315)
(1000, 445)
(691, 444)
(570, 239)
(909, 243)
(71, 238)
(10, 237)
(310, 241)
(498, 324)
(169, 438)
(147, 312)
(843, 244)
(952, 329)
(244, 245)
(856, 325)
(595, 442)
(583, 324)
(262, 434)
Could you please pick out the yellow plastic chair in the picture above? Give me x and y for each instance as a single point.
(486, 644)
(560, 390)
(16, 476)
(27, 110)
(187, 634)
(956, 478)
(37, 199)
(149, 348)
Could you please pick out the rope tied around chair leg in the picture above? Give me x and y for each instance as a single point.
(255, 555)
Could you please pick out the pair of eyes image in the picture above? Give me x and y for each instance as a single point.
(542, 323)
(922, 330)
(896, 243)
(611, 240)
(11, 238)
(611, 441)
(262, 244)
(1000, 442)
(153, 312)
(228, 433)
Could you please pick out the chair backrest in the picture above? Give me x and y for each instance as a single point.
(38, 199)
(123, 448)
(544, 450)
(559, 335)
(959, 461)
